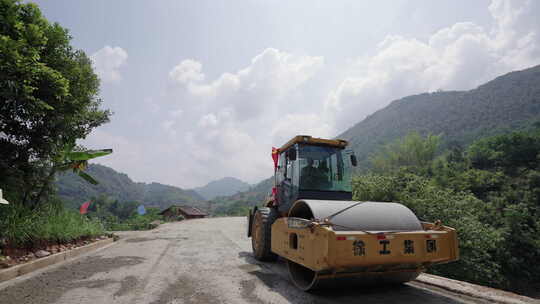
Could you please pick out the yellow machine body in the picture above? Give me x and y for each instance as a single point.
(320, 248)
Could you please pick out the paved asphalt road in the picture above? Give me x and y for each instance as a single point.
(194, 261)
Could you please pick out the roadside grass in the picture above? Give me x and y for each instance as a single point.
(22, 227)
(137, 222)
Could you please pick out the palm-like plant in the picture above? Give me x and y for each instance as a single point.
(71, 158)
(77, 161)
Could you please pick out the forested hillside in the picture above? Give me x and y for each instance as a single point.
(73, 190)
(489, 192)
(222, 187)
(240, 203)
(509, 102)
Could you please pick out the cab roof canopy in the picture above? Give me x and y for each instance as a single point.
(306, 139)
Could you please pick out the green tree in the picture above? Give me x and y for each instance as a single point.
(509, 152)
(413, 152)
(489, 192)
(48, 99)
(478, 241)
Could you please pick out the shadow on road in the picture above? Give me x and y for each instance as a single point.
(275, 277)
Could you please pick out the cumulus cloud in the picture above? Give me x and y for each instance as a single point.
(301, 123)
(210, 127)
(107, 63)
(187, 71)
(272, 71)
(461, 56)
(270, 77)
(231, 122)
(208, 120)
(249, 93)
(125, 154)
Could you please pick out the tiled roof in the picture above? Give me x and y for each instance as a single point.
(188, 210)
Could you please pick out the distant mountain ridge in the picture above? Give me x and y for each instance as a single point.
(73, 190)
(509, 102)
(241, 202)
(222, 187)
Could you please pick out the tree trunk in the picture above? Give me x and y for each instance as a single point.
(46, 183)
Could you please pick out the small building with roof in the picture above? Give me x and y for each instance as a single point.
(186, 212)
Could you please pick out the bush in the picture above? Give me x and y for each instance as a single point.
(138, 222)
(374, 187)
(489, 192)
(478, 241)
(413, 151)
(21, 227)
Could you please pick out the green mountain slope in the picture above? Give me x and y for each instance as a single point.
(509, 102)
(222, 187)
(164, 195)
(241, 202)
(73, 190)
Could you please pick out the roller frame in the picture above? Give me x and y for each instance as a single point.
(328, 255)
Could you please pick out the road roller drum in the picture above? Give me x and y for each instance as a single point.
(329, 243)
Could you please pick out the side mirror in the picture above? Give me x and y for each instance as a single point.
(291, 154)
(354, 161)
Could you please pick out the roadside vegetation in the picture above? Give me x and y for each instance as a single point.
(48, 224)
(489, 191)
(118, 216)
(48, 100)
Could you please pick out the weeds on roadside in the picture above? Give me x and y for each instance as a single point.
(22, 227)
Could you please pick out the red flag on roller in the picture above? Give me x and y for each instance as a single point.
(275, 157)
(84, 207)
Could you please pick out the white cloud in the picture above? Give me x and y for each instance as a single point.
(461, 56)
(270, 77)
(187, 71)
(125, 154)
(226, 126)
(295, 124)
(208, 120)
(107, 62)
(230, 123)
(167, 124)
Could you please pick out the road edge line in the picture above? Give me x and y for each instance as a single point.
(19, 270)
(475, 291)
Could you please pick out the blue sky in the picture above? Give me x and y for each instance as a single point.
(204, 89)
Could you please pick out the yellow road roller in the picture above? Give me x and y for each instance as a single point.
(329, 240)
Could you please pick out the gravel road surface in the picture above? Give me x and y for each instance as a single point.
(194, 261)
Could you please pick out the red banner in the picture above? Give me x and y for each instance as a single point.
(84, 207)
(275, 157)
